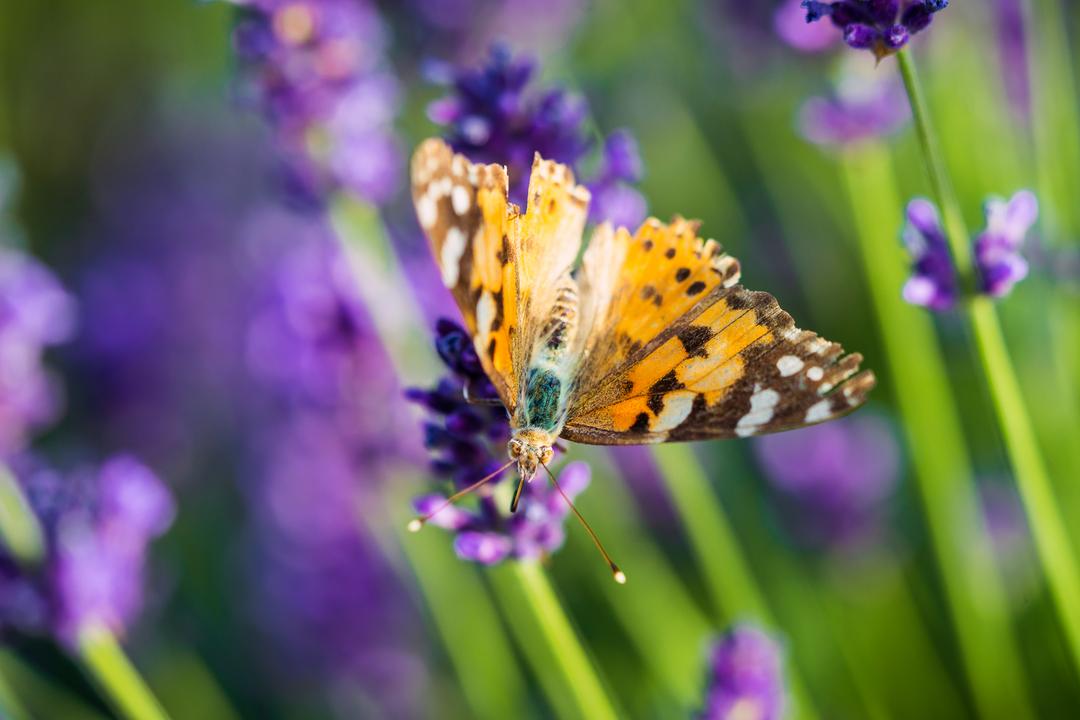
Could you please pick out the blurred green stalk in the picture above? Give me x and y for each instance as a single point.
(731, 585)
(560, 661)
(1048, 528)
(106, 662)
(972, 585)
(39, 696)
(18, 526)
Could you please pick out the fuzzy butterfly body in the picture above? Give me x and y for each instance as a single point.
(649, 340)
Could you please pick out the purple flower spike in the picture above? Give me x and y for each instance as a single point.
(881, 26)
(98, 527)
(490, 117)
(613, 198)
(35, 313)
(745, 677)
(486, 548)
(933, 283)
(865, 105)
(997, 248)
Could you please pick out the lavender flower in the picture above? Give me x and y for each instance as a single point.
(1011, 25)
(881, 26)
(35, 313)
(745, 679)
(997, 248)
(996, 251)
(865, 105)
(99, 525)
(325, 423)
(933, 284)
(468, 442)
(835, 477)
(491, 118)
(316, 70)
(613, 197)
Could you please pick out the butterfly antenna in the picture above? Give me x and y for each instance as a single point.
(619, 575)
(418, 522)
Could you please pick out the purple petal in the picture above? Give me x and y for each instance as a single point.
(486, 548)
(861, 37)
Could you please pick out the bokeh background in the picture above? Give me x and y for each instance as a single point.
(246, 326)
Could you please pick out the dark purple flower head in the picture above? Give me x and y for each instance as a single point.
(881, 26)
(745, 677)
(833, 477)
(490, 117)
(315, 69)
(933, 283)
(997, 248)
(35, 313)
(467, 442)
(865, 105)
(98, 526)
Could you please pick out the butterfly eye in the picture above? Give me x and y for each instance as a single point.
(515, 448)
(546, 455)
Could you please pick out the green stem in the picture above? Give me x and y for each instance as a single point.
(18, 526)
(727, 573)
(560, 661)
(1048, 527)
(942, 468)
(104, 659)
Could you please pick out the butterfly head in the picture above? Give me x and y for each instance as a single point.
(530, 448)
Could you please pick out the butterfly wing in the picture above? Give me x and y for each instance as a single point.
(504, 268)
(679, 351)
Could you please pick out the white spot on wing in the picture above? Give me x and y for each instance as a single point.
(789, 365)
(459, 198)
(485, 315)
(815, 373)
(453, 248)
(818, 412)
(426, 211)
(677, 407)
(762, 405)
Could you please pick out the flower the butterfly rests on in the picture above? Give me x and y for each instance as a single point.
(650, 340)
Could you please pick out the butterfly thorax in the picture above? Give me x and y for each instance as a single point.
(541, 411)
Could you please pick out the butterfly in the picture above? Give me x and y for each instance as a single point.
(649, 339)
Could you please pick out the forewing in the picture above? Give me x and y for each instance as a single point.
(502, 267)
(680, 352)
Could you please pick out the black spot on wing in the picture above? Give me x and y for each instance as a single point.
(693, 339)
(641, 423)
(695, 288)
(658, 391)
(681, 274)
(669, 253)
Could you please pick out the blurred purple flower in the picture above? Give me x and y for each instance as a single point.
(459, 26)
(789, 21)
(745, 678)
(35, 313)
(613, 197)
(468, 442)
(933, 283)
(325, 424)
(316, 70)
(881, 26)
(835, 476)
(490, 117)
(98, 526)
(865, 105)
(1011, 23)
(997, 247)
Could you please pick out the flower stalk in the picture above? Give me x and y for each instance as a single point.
(942, 467)
(1048, 526)
(106, 662)
(19, 528)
